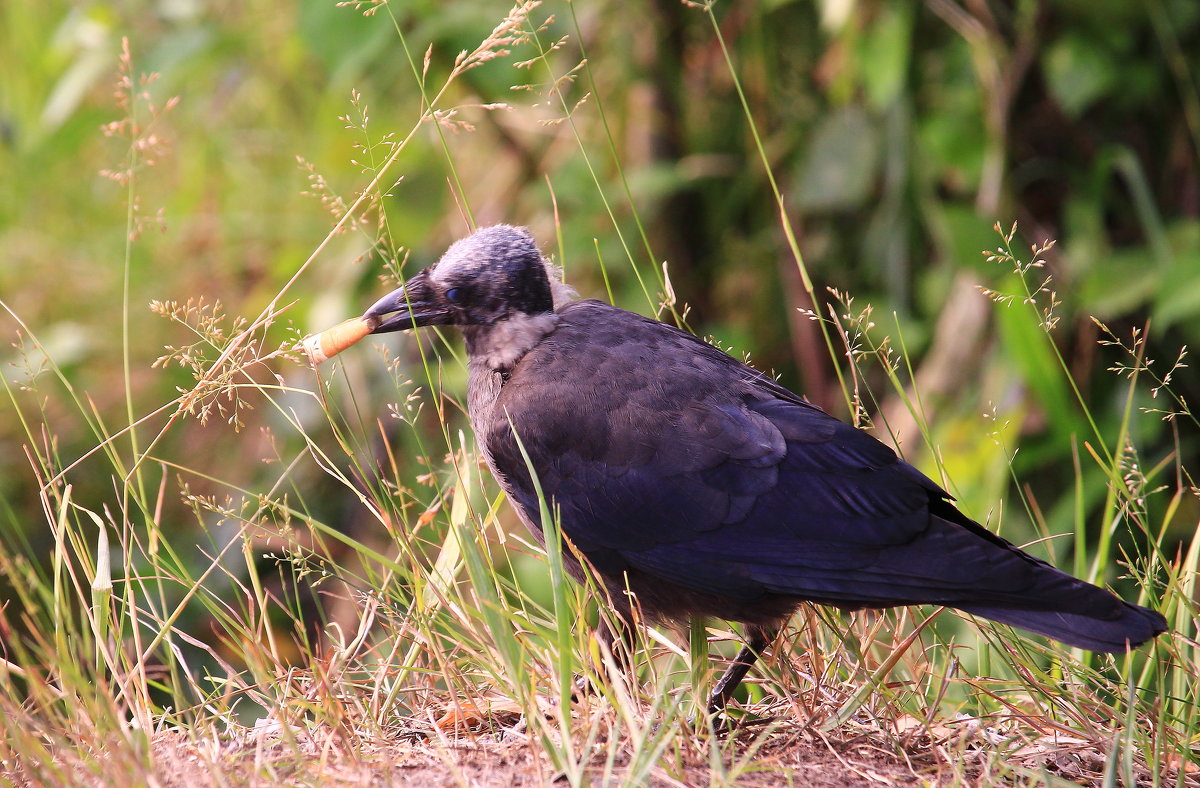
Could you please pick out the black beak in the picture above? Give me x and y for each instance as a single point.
(414, 304)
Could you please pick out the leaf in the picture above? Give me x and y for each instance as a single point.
(1078, 72)
(1032, 352)
(471, 714)
(840, 166)
(884, 54)
(1178, 296)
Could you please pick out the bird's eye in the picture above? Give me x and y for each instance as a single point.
(455, 295)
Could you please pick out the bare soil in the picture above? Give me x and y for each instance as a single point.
(498, 751)
(484, 761)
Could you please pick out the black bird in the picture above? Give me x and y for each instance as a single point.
(705, 487)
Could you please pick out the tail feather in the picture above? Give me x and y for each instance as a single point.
(1054, 604)
(1130, 627)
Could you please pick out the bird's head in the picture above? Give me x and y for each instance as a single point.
(489, 277)
(495, 284)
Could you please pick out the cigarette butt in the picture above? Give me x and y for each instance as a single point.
(321, 347)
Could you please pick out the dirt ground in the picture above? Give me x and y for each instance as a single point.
(961, 752)
(487, 762)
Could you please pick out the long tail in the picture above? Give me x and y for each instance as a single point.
(1131, 626)
(1056, 604)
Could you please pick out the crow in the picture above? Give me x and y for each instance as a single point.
(701, 486)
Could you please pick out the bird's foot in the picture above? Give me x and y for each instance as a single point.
(582, 687)
(725, 724)
(716, 716)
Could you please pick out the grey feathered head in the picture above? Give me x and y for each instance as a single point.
(485, 278)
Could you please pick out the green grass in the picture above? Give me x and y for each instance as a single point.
(313, 567)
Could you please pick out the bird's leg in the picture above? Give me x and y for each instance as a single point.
(757, 639)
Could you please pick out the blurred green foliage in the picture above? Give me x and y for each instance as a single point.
(900, 134)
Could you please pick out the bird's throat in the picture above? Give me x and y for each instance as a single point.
(500, 345)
